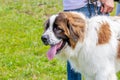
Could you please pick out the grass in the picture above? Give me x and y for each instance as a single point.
(22, 54)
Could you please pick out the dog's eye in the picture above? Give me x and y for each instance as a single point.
(56, 29)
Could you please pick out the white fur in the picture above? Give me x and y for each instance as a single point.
(49, 32)
(96, 62)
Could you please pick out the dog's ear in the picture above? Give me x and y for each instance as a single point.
(74, 26)
(66, 16)
(73, 35)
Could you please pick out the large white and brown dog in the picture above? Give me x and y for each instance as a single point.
(92, 46)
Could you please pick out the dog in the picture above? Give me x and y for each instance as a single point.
(92, 46)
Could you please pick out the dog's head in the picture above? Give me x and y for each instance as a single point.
(63, 29)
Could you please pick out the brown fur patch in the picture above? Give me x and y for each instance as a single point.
(118, 56)
(73, 26)
(104, 34)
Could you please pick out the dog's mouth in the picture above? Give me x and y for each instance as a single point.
(54, 49)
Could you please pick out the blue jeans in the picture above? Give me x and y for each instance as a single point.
(86, 11)
(70, 72)
(71, 75)
(118, 9)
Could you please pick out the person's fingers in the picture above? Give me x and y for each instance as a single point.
(102, 8)
(107, 6)
(105, 10)
(110, 10)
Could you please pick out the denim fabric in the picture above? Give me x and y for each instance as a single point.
(85, 10)
(118, 9)
(71, 75)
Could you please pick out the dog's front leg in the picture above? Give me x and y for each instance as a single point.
(104, 76)
(89, 78)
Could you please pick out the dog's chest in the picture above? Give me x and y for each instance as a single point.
(83, 65)
(81, 61)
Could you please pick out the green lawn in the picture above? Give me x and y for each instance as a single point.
(22, 54)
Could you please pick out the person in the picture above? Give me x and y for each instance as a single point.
(89, 8)
(118, 8)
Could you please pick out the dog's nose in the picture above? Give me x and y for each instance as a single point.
(45, 39)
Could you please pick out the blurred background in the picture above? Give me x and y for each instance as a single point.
(22, 54)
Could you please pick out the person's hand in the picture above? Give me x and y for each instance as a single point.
(107, 6)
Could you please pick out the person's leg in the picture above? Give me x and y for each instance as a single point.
(89, 12)
(71, 74)
(118, 9)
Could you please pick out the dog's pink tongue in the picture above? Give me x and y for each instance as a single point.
(53, 50)
(51, 53)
